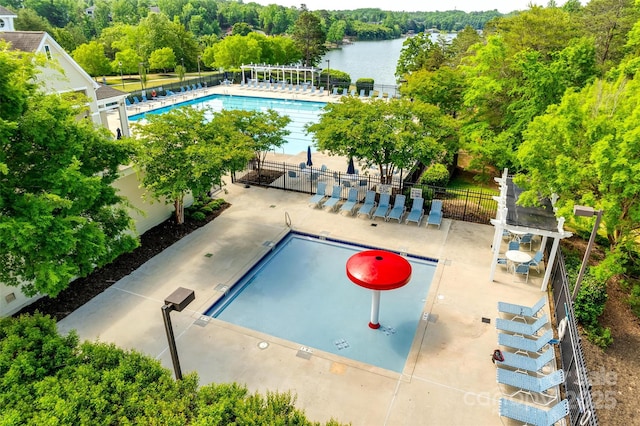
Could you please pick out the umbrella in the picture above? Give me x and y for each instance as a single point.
(351, 169)
(309, 162)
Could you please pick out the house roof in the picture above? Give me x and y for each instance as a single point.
(107, 92)
(26, 41)
(6, 12)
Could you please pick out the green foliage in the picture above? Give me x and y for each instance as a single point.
(180, 152)
(600, 336)
(634, 299)
(436, 175)
(389, 134)
(590, 302)
(46, 378)
(91, 58)
(163, 59)
(365, 84)
(60, 217)
(338, 78)
(309, 38)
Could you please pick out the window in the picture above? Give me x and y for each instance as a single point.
(47, 51)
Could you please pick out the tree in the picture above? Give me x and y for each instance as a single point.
(129, 59)
(233, 51)
(587, 151)
(162, 59)
(265, 129)
(46, 378)
(336, 32)
(389, 134)
(309, 37)
(241, 28)
(60, 217)
(92, 59)
(419, 52)
(179, 153)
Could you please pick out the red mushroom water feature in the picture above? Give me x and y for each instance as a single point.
(378, 270)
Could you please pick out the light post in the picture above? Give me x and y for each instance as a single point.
(585, 211)
(199, 77)
(140, 65)
(328, 77)
(176, 301)
(121, 79)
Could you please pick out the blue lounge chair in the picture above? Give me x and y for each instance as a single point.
(531, 385)
(383, 206)
(520, 311)
(320, 90)
(524, 344)
(319, 195)
(200, 86)
(136, 101)
(127, 102)
(332, 202)
(533, 415)
(526, 363)
(416, 213)
(144, 98)
(435, 214)
(398, 208)
(537, 259)
(522, 269)
(527, 239)
(334, 92)
(369, 204)
(353, 92)
(351, 203)
(362, 93)
(521, 328)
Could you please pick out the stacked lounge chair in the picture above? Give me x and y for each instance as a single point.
(531, 415)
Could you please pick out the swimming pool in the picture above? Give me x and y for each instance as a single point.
(300, 292)
(300, 112)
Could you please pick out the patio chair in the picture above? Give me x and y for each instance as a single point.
(521, 269)
(531, 385)
(537, 259)
(292, 174)
(527, 239)
(319, 195)
(369, 204)
(526, 363)
(521, 311)
(383, 206)
(303, 165)
(522, 328)
(514, 245)
(416, 213)
(351, 203)
(332, 202)
(527, 345)
(398, 209)
(533, 415)
(435, 214)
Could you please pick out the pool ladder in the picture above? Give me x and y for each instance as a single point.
(287, 219)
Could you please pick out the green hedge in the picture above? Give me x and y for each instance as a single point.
(50, 379)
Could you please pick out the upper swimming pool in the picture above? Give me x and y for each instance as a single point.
(300, 112)
(300, 292)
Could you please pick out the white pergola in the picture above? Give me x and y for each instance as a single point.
(536, 221)
(267, 70)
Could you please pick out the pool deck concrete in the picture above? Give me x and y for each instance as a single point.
(448, 379)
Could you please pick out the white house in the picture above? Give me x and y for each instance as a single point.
(103, 101)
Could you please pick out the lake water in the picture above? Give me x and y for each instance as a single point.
(369, 59)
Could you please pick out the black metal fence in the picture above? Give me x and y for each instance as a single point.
(458, 204)
(577, 385)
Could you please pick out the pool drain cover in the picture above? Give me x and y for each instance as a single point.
(341, 344)
(263, 345)
(486, 320)
(388, 330)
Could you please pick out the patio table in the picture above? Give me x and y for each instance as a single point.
(517, 257)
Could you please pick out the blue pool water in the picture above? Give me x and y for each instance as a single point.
(300, 292)
(300, 112)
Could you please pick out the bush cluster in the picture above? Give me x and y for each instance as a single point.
(46, 378)
(202, 208)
